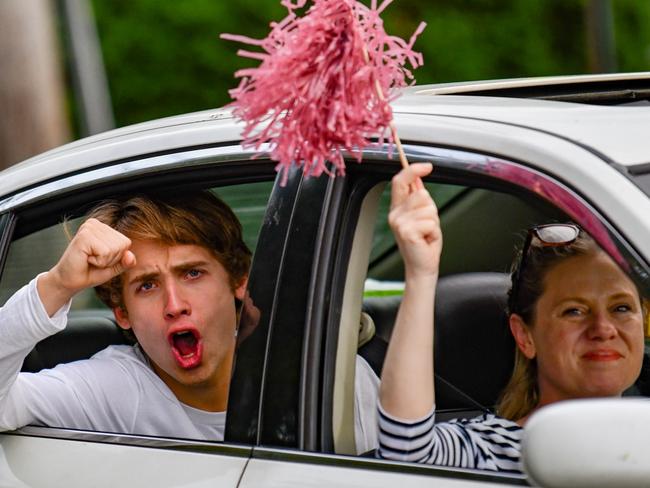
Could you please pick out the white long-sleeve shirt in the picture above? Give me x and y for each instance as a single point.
(116, 390)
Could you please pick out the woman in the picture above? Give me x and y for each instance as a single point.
(577, 320)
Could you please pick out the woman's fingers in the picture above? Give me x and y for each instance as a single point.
(408, 180)
(417, 206)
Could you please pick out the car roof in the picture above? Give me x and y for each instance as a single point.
(617, 133)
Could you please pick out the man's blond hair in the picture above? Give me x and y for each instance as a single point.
(200, 219)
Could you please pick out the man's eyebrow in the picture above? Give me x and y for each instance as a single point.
(189, 265)
(147, 276)
(181, 267)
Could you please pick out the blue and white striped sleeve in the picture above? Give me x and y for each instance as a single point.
(424, 441)
(487, 442)
(401, 440)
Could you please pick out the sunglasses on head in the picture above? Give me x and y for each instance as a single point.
(548, 235)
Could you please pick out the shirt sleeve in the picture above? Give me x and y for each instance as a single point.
(405, 440)
(366, 389)
(23, 323)
(487, 442)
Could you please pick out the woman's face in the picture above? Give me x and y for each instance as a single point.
(587, 333)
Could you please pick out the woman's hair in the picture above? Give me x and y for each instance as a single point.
(200, 219)
(521, 394)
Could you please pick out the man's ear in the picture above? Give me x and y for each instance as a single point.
(522, 335)
(122, 318)
(240, 288)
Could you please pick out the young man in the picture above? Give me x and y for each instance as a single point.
(171, 270)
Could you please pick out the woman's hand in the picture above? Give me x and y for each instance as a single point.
(414, 220)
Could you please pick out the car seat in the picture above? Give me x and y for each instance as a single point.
(87, 332)
(474, 350)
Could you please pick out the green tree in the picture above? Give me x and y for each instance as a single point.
(166, 58)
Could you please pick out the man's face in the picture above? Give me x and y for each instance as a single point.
(181, 307)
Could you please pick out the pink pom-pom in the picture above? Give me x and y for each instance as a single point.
(323, 85)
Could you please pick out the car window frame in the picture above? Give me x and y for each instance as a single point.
(7, 224)
(224, 164)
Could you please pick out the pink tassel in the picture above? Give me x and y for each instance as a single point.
(323, 85)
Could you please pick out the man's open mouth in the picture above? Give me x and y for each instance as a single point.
(187, 347)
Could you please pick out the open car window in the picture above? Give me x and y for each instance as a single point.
(91, 326)
(40, 250)
(481, 230)
(482, 225)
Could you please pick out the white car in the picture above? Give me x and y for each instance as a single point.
(326, 273)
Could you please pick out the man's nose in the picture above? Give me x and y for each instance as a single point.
(602, 327)
(175, 302)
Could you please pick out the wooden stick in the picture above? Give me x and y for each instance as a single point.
(393, 129)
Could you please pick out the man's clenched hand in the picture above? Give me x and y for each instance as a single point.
(96, 254)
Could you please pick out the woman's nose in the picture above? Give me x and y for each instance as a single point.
(602, 327)
(175, 303)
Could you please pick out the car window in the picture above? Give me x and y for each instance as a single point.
(481, 228)
(474, 351)
(39, 251)
(383, 240)
(475, 240)
(91, 329)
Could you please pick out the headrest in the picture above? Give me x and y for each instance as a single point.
(383, 310)
(474, 349)
(366, 329)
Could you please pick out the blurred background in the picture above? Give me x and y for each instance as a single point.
(71, 68)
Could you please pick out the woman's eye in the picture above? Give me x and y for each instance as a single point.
(622, 308)
(572, 312)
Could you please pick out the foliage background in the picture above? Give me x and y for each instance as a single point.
(165, 57)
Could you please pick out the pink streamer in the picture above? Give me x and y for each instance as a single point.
(314, 94)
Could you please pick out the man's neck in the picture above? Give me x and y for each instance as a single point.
(210, 396)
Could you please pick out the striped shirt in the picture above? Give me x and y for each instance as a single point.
(486, 442)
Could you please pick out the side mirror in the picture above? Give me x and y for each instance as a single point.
(589, 443)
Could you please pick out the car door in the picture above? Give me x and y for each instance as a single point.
(32, 240)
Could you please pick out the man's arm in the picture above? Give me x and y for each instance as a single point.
(406, 390)
(96, 254)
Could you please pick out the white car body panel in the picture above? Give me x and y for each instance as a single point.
(262, 473)
(110, 465)
(123, 145)
(616, 132)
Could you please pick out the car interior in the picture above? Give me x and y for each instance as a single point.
(474, 350)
